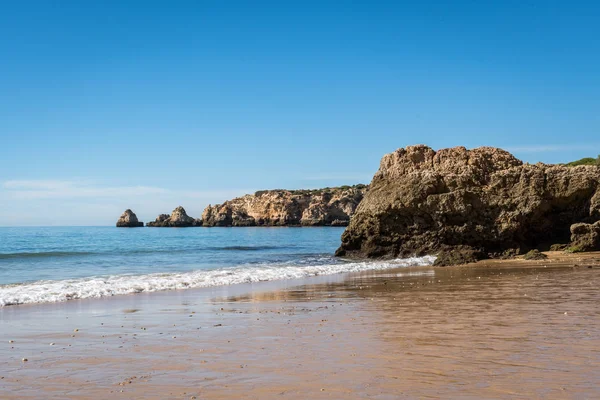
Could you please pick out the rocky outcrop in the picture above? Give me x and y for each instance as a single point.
(128, 220)
(535, 254)
(585, 237)
(468, 204)
(322, 207)
(177, 219)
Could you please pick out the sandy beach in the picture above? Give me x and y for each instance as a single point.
(496, 329)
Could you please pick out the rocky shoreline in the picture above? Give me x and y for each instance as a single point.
(318, 207)
(461, 205)
(466, 205)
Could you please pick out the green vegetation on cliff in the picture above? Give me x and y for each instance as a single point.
(359, 186)
(585, 161)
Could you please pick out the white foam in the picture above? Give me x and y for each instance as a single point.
(56, 291)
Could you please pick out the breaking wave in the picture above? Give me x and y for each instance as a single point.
(95, 287)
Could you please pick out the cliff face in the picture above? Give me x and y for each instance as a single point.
(177, 219)
(323, 207)
(470, 204)
(128, 220)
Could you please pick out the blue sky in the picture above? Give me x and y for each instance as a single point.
(146, 104)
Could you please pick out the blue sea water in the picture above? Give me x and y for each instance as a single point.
(48, 264)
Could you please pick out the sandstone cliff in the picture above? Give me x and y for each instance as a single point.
(128, 220)
(177, 219)
(323, 207)
(471, 204)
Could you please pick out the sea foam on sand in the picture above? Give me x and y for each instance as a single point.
(94, 287)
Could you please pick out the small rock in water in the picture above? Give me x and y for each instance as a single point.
(25, 360)
(11, 341)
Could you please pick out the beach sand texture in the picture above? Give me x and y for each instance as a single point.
(496, 329)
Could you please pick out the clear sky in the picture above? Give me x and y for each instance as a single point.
(108, 105)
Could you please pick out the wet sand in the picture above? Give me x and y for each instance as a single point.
(497, 329)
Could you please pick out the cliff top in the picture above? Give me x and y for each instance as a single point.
(359, 186)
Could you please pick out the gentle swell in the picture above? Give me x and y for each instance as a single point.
(55, 291)
(42, 254)
(48, 254)
(248, 248)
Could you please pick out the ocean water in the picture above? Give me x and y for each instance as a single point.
(51, 264)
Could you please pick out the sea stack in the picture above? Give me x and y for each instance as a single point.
(466, 205)
(177, 219)
(129, 220)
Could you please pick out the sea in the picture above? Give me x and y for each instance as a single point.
(54, 264)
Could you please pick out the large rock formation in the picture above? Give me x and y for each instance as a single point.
(177, 219)
(469, 204)
(128, 220)
(322, 207)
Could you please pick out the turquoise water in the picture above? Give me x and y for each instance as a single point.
(57, 264)
(30, 254)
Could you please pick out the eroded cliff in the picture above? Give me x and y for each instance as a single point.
(470, 204)
(322, 207)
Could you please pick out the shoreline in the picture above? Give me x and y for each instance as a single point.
(556, 259)
(99, 286)
(501, 328)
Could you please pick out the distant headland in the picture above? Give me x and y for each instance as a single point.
(316, 207)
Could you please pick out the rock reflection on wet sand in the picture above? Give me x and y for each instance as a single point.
(502, 330)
